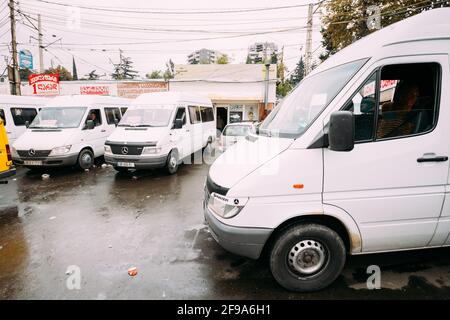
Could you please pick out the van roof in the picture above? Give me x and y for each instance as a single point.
(171, 97)
(11, 99)
(83, 100)
(430, 25)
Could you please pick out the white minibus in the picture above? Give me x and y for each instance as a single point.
(353, 161)
(68, 131)
(15, 111)
(160, 130)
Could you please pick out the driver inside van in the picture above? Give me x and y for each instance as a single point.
(93, 116)
(398, 120)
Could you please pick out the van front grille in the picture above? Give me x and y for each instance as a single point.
(126, 150)
(33, 153)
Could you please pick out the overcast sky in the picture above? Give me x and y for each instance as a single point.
(154, 31)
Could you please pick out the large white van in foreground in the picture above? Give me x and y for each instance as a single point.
(16, 111)
(354, 160)
(160, 130)
(69, 130)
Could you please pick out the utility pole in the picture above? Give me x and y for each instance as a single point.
(41, 48)
(308, 46)
(15, 67)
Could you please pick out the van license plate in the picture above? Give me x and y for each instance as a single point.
(126, 164)
(32, 163)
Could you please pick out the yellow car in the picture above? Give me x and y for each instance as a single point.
(6, 165)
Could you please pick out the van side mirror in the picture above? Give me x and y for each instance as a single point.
(89, 125)
(116, 122)
(27, 124)
(178, 124)
(341, 131)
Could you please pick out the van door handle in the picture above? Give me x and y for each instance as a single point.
(103, 130)
(433, 159)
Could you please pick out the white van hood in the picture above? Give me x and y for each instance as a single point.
(140, 134)
(244, 157)
(40, 139)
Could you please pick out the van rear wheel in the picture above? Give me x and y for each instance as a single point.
(172, 162)
(85, 159)
(307, 257)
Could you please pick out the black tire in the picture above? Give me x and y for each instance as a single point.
(85, 159)
(172, 162)
(120, 169)
(299, 245)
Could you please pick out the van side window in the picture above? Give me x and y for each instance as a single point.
(181, 114)
(362, 104)
(207, 114)
(194, 114)
(94, 115)
(407, 99)
(112, 114)
(403, 102)
(21, 115)
(2, 116)
(123, 110)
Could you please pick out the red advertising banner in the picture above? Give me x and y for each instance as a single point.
(94, 90)
(44, 84)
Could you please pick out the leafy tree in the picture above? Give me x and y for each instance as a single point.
(64, 74)
(92, 75)
(155, 74)
(298, 73)
(223, 59)
(74, 69)
(345, 21)
(170, 70)
(124, 69)
(24, 73)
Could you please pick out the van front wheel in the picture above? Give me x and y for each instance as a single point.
(307, 257)
(172, 162)
(85, 159)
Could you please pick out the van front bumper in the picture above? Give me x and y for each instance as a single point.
(57, 161)
(243, 241)
(139, 162)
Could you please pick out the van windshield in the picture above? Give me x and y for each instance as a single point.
(300, 108)
(236, 130)
(59, 118)
(152, 117)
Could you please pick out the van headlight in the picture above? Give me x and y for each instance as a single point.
(226, 207)
(60, 151)
(108, 149)
(151, 150)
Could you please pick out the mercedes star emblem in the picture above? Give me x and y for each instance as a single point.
(124, 150)
(31, 152)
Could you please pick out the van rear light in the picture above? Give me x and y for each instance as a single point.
(8, 152)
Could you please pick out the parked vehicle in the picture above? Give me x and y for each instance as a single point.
(234, 132)
(160, 130)
(6, 167)
(353, 161)
(15, 111)
(68, 131)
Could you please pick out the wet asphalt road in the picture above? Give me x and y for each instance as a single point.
(105, 223)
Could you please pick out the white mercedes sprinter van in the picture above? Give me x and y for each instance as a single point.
(353, 161)
(160, 130)
(16, 111)
(68, 131)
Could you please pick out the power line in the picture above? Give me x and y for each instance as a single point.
(187, 12)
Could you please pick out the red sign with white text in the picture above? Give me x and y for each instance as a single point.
(44, 84)
(96, 90)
